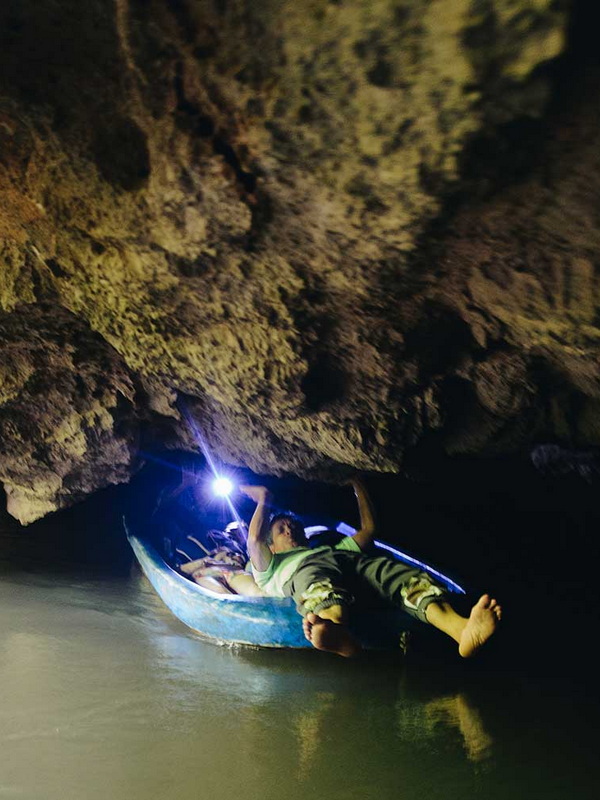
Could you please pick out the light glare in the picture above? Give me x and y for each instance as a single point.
(222, 487)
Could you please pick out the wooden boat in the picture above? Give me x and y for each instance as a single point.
(268, 622)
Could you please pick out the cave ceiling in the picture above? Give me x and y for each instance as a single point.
(321, 234)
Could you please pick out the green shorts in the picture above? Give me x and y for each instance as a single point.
(342, 577)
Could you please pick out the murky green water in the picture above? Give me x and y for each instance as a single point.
(106, 695)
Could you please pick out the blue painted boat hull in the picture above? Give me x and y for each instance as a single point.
(256, 621)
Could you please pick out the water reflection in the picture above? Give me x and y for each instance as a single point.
(460, 713)
(291, 709)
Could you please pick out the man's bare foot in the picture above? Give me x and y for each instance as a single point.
(483, 620)
(324, 634)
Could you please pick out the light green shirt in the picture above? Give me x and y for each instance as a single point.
(283, 565)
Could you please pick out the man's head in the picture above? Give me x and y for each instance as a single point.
(286, 531)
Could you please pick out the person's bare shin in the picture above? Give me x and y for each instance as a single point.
(443, 617)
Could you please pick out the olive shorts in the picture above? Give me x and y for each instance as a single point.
(341, 577)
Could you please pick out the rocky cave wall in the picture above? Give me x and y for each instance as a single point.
(329, 233)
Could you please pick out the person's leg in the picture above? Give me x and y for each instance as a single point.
(322, 598)
(243, 583)
(421, 597)
(214, 584)
(395, 582)
(471, 632)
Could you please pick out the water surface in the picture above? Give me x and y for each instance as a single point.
(106, 695)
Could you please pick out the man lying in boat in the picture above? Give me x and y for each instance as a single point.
(324, 580)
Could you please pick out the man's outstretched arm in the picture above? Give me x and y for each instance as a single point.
(366, 533)
(258, 530)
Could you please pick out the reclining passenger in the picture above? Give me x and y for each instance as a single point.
(223, 571)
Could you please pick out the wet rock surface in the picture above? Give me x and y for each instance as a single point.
(333, 234)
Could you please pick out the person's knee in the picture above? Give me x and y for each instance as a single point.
(420, 591)
(322, 595)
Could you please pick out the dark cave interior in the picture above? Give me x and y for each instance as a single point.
(526, 534)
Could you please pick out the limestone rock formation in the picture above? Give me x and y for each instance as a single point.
(321, 233)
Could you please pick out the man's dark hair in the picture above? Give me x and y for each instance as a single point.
(295, 522)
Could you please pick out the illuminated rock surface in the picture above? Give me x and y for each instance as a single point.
(335, 232)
